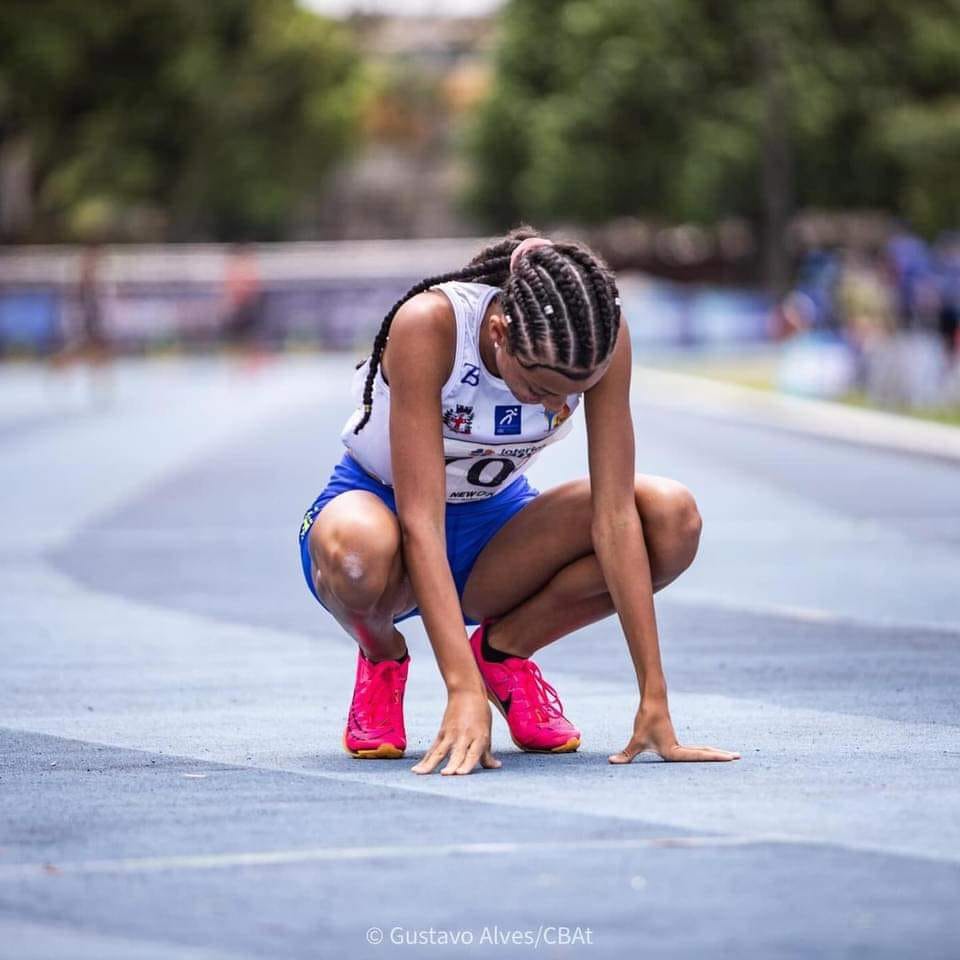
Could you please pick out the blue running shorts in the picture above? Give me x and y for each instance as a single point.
(469, 526)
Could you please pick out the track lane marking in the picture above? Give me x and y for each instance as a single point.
(386, 851)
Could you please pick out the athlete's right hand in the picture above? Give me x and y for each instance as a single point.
(464, 735)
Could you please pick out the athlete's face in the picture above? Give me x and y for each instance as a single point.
(537, 384)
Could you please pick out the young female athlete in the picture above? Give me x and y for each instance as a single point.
(471, 375)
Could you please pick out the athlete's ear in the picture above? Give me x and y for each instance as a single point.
(498, 333)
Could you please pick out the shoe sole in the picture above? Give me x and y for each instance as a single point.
(386, 751)
(567, 747)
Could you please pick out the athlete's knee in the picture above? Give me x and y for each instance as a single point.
(673, 518)
(357, 570)
(686, 524)
(688, 519)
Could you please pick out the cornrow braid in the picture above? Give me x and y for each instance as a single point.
(539, 311)
(580, 312)
(560, 299)
(563, 333)
(533, 321)
(605, 291)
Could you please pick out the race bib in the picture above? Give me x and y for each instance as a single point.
(479, 470)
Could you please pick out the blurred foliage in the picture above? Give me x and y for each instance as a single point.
(175, 118)
(695, 109)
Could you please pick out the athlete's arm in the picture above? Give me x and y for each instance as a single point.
(619, 545)
(420, 356)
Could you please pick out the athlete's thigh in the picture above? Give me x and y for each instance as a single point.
(355, 536)
(553, 531)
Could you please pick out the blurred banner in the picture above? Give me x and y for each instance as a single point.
(322, 295)
(328, 295)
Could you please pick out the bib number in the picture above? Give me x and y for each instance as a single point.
(488, 472)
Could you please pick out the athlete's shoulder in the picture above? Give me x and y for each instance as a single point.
(423, 333)
(427, 315)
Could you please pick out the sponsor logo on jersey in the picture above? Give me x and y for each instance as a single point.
(506, 418)
(472, 375)
(460, 418)
(555, 419)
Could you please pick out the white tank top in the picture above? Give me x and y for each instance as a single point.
(489, 437)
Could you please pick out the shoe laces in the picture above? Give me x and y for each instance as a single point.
(378, 694)
(542, 698)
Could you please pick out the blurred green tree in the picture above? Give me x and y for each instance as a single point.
(699, 109)
(169, 118)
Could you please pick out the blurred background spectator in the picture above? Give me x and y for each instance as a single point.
(242, 291)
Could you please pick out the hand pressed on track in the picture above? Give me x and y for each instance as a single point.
(464, 735)
(653, 730)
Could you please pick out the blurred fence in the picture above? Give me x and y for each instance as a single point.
(325, 295)
(329, 295)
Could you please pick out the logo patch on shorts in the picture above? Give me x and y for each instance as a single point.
(506, 418)
(460, 418)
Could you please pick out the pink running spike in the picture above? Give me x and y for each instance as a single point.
(375, 723)
(529, 704)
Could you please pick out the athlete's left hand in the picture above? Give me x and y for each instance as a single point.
(653, 730)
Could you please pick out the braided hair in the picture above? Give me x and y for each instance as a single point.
(561, 298)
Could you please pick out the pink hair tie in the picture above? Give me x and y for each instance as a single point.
(525, 246)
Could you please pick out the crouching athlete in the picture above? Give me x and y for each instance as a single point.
(429, 512)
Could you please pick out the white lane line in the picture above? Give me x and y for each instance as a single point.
(681, 596)
(515, 795)
(269, 858)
